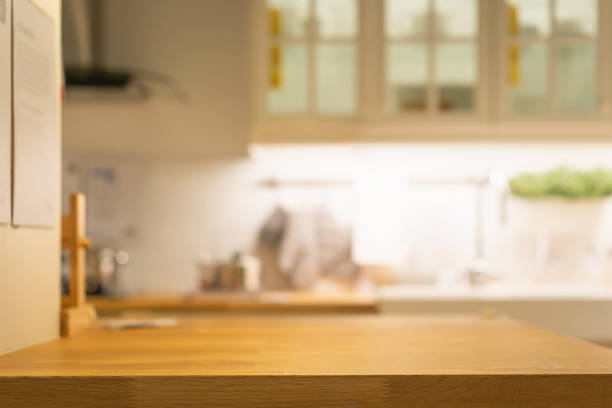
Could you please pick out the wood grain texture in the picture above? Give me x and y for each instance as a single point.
(337, 361)
(73, 239)
(76, 315)
(77, 319)
(297, 391)
(279, 301)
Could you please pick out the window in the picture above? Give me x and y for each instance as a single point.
(360, 68)
(552, 62)
(313, 56)
(431, 55)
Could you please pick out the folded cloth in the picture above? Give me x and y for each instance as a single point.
(334, 241)
(298, 256)
(315, 244)
(273, 230)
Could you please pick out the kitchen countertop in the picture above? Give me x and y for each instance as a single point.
(495, 292)
(344, 300)
(280, 361)
(272, 301)
(572, 309)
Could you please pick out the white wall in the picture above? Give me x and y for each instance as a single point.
(29, 270)
(167, 213)
(203, 47)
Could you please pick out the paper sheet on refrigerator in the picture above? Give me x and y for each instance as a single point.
(5, 111)
(36, 117)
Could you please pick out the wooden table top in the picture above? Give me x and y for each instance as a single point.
(416, 361)
(274, 301)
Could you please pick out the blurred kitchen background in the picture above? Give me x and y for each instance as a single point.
(357, 146)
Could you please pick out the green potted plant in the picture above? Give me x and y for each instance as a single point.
(563, 209)
(563, 199)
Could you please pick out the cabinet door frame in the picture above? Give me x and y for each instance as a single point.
(372, 122)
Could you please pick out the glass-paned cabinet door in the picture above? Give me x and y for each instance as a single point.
(312, 62)
(552, 57)
(431, 56)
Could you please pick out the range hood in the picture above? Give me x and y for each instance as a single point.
(84, 70)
